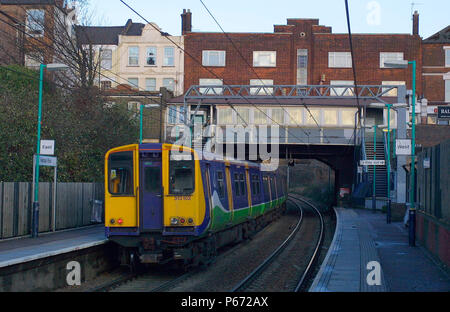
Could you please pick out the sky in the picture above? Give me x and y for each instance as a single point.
(366, 16)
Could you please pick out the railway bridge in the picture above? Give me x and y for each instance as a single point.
(331, 123)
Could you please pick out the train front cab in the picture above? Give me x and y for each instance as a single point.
(152, 194)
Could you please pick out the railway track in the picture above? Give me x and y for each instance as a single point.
(283, 258)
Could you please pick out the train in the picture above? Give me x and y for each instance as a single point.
(168, 203)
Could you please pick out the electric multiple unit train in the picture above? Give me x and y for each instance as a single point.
(163, 203)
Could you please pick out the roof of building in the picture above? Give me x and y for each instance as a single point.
(442, 36)
(108, 34)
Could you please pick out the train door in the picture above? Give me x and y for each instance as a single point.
(151, 202)
(208, 186)
(229, 191)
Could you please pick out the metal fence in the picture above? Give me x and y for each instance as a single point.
(73, 206)
(433, 181)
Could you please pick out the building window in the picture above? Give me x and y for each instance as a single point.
(172, 114)
(447, 90)
(214, 58)
(295, 116)
(261, 90)
(313, 117)
(348, 118)
(330, 117)
(133, 56)
(134, 106)
(342, 91)
(244, 114)
(106, 59)
(260, 116)
(225, 116)
(169, 84)
(33, 60)
(278, 115)
(392, 92)
(35, 22)
(447, 56)
(151, 56)
(264, 58)
(169, 56)
(211, 82)
(105, 85)
(150, 84)
(133, 82)
(390, 57)
(302, 67)
(339, 59)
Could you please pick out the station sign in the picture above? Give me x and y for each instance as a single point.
(443, 111)
(47, 147)
(47, 161)
(403, 147)
(373, 162)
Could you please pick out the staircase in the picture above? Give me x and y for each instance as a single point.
(381, 171)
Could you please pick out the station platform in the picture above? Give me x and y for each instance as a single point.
(21, 250)
(362, 237)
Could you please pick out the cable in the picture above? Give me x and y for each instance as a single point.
(212, 72)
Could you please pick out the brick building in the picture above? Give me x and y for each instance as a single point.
(28, 29)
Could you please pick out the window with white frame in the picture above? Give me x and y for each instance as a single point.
(342, 91)
(447, 56)
(278, 115)
(330, 117)
(169, 84)
(260, 116)
(295, 116)
(169, 56)
(392, 92)
(225, 116)
(447, 90)
(134, 106)
(313, 117)
(302, 67)
(339, 59)
(213, 58)
(133, 82)
(151, 56)
(150, 84)
(106, 59)
(348, 117)
(172, 114)
(264, 58)
(390, 57)
(211, 82)
(35, 22)
(244, 113)
(133, 56)
(262, 90)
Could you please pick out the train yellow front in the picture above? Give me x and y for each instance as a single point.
(166, 203)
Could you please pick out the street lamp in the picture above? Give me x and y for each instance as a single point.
(49, 67)
(412, 208)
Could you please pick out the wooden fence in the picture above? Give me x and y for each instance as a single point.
(73, 206)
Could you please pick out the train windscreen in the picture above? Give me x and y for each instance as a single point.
(181, 173)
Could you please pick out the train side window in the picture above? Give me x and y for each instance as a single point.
(236, 184)
(266, 185)
(220, 184)
(242, 183)
(256, 188)
(121, 173)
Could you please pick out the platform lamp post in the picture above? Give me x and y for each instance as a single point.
(35, 219)
(412, 208)
(388, 166)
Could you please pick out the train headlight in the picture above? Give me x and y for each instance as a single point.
(174, 221)
(190, 220)
(112, 221)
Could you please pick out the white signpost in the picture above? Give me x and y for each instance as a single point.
(372, 162)
(47, 147)
(403, 147)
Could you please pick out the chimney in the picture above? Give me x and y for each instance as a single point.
(186, 21)
(416, 23)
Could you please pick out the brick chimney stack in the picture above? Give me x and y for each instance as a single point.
(186, 21)
(416, 23)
